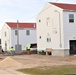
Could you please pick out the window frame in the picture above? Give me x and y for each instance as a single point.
(49, 39)
(48, 21)
(16, 32)
(27, 32)
(71, 18)
(5, 34)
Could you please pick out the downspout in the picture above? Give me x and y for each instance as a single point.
(59, 28)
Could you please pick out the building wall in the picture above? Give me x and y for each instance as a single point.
(55, 16)
(11, 39)
(24, 39)
(69, 28)
(5, 39)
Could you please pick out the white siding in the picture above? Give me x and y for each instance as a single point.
(11, 38)
(5, 39)
(59, 29)
(23, 38)
(69, 28)
(55, 16)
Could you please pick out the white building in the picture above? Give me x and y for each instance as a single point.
(56, 29)
(26, 35)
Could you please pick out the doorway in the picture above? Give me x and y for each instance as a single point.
(72, 47)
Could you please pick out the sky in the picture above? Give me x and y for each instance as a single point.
(23, 10)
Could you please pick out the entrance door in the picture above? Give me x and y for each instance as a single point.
(72, 46)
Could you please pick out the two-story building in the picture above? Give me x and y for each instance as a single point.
(56, 29)
(18, 35)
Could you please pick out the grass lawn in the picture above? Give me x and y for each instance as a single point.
(59, 70)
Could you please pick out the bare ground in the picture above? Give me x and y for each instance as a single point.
(35, 60)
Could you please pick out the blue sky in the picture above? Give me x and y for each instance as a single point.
(23, 10)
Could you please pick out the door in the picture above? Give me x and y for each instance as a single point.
(72, 46)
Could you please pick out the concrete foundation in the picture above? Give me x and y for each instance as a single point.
(60, 52)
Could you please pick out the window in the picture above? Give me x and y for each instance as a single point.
(48, 39)
(5, 33)
(27, 32)
(39, 20)
(71, 18)
(40, 37)
(48, 21)
(15, 32)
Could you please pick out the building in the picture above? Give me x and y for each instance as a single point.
(18, 35)
(0, 44)
(56, 29)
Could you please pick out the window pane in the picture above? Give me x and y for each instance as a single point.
(5, 33)
(48, 39)
(39, 20)
(27, 32)
(71, 16)
(15, 32)
(71, 20)
(48, 21)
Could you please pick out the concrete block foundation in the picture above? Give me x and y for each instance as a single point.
(60, 52)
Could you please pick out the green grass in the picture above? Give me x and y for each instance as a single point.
(61, 70)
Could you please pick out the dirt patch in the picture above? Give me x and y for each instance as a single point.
(33, 60)
(9, 62)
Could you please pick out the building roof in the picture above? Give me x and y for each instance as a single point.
(21, 25)
(65, 6)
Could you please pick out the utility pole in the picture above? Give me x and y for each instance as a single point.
(17, 35)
